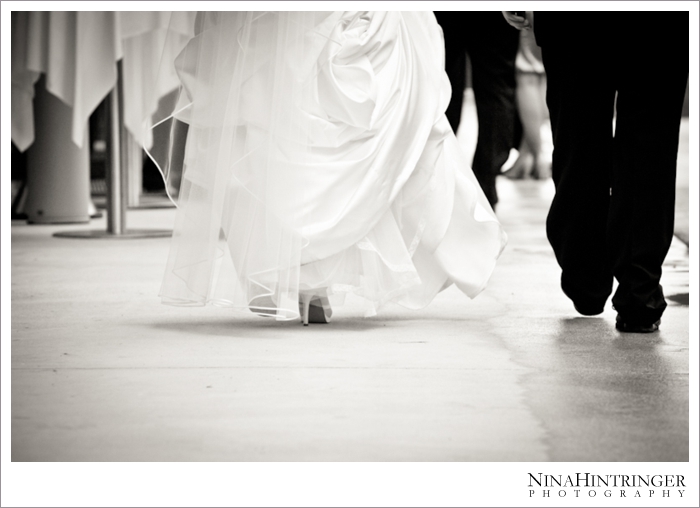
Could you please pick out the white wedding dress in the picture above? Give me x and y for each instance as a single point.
(318, 157)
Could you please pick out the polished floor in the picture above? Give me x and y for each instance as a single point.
(101, 371)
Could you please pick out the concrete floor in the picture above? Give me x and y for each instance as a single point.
(101, 371)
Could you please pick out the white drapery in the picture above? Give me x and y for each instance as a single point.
(78, 51)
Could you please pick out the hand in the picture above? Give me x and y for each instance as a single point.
(520, 20)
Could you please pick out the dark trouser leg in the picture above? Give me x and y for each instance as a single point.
(455, 66)
(452, 24)
(640, 229)
(580, 98)
(492, 46)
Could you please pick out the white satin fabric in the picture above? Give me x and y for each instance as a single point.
(318, 157)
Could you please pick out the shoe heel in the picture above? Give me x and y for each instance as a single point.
(305, 303)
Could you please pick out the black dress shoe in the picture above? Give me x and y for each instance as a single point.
(630, 327)
(586, 306)
(589, 310)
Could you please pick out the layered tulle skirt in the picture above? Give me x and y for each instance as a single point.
(317, 158)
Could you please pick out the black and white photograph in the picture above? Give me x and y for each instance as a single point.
(440, 256)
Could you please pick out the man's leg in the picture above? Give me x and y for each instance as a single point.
(580, 98)
(649, 106)
(492, 46)
(455, 62)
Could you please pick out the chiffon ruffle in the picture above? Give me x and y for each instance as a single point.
(318, 157)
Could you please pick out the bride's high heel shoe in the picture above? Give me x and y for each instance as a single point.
(314, 308)
(522, 168)
(263, 306)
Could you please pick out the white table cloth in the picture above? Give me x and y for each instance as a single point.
(78, 51)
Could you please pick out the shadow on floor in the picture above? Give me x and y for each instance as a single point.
(264, 328)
